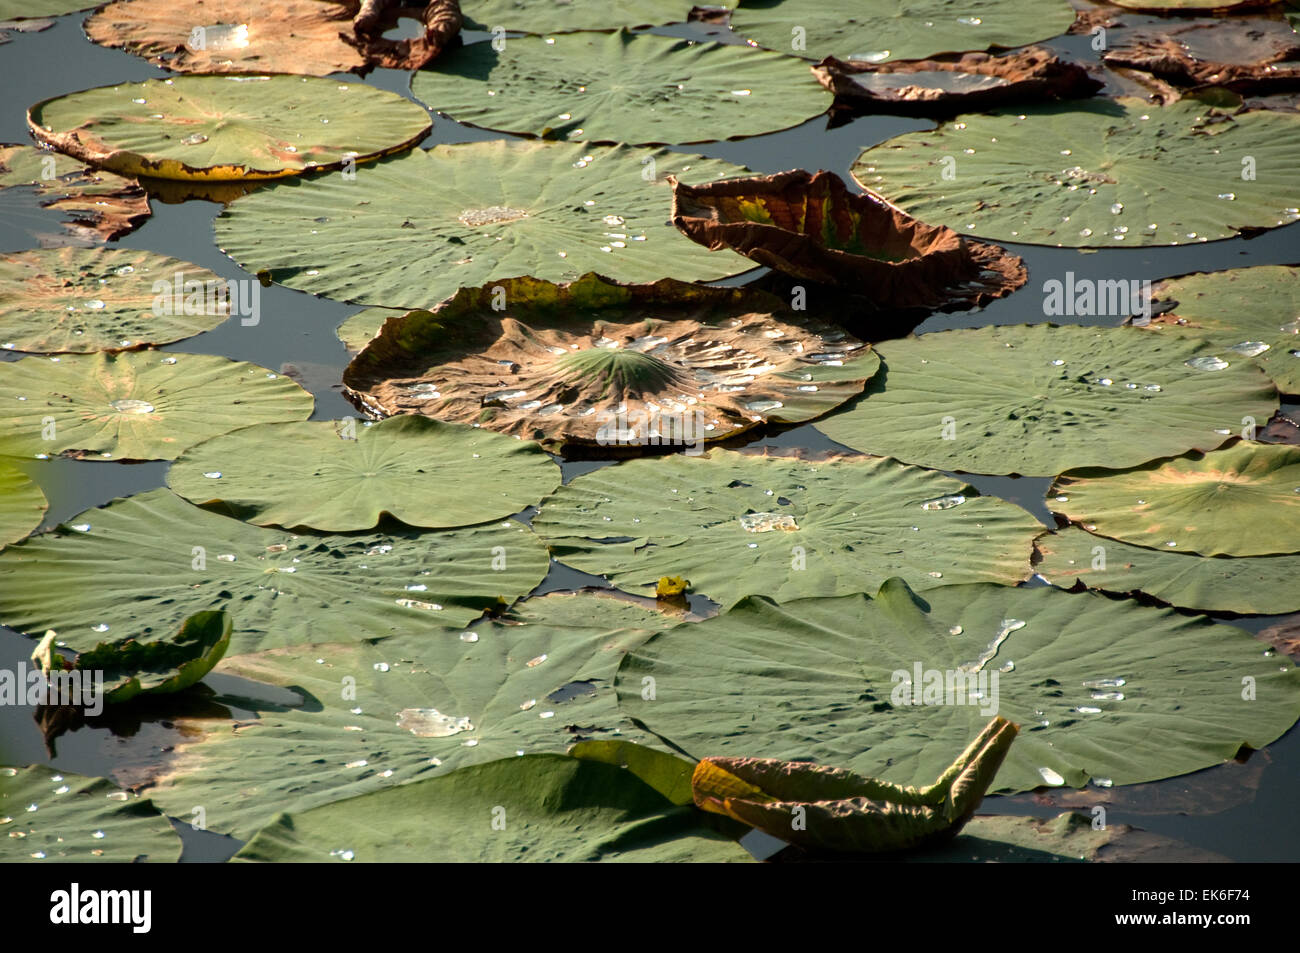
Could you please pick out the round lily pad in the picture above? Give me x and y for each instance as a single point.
(622, 87)
(571, 15)
(22, 504)
(343, 720)
(1240, 501)
(1039, 399)
(228, 127)
(457, 216)
(545, 808)
(341, 476)
(599, 363)
(1262, 585)
(138, 405)
(143, 564)
(1097, 173)
(231, 36)
(1103, 689)
(53, 816)
(877, 30)
(98, 206)
(735, 523)
(1247, 312)
(60, 300)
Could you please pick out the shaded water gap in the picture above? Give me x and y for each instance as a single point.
(298, 329)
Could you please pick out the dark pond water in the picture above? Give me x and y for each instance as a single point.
(1237, 811)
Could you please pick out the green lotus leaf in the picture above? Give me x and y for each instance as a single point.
(22, 504)
(61, 300)
(826, 808)
(1102, 688)
(357, 331)
(595, 362)
(130, 668)
(342, 477)
(535, 808)
(1180, 6)
(604, 607)
(622, 87)
(143, 564)
(1039, 399)
(461, 215)
(1245, 312)
(668, 774)
(26, 9)
(736, 523)
(1240, 501)
(520, 17)
(1133, 173)
(879, 30)
(1249, 585)
(228, 127)
(138, 405)
(49, 816)
(360, 717)
(98, 206)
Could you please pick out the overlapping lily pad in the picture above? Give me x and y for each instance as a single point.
(1246, 312)
(879, 30)
(22, 504)
(137, 405)
(735, 524)
(1102, 689)
(99, 206)
(811, 227)
(141, 565)
(342, 477)
(344, 720)
(574, 15)
(1040, 399)
(946, 85)
(1250, 585)
(1099, 173)
(409, 231)
(62, 300)
(357, 331)
(600, 363)
(535, 808)
(1253, 57)
(228, 127)
(1240, 501)
(49, 816)
(622, 87)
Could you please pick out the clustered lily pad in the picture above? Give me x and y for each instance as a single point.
(595, 362)
(54, 816)
(1248, 585)
(889, 686)
(137, 405)
(99, 206)
(130, 668)
(141, 565)
(811, 227)
(1247, 312)
(572, 15)
(316, 37)
(411, 230)
(1221, 52)
(228, 127)
(1112, 173)
(621, 87)
(1240, 501)
(1039, 399)
(341, 477)
(81, 300)
(945, 85)
(879, 30)
(341, 720)
(735, 524)
(22, 504)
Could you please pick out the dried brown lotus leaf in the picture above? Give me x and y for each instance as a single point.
(1253, 57)
(811, 227)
